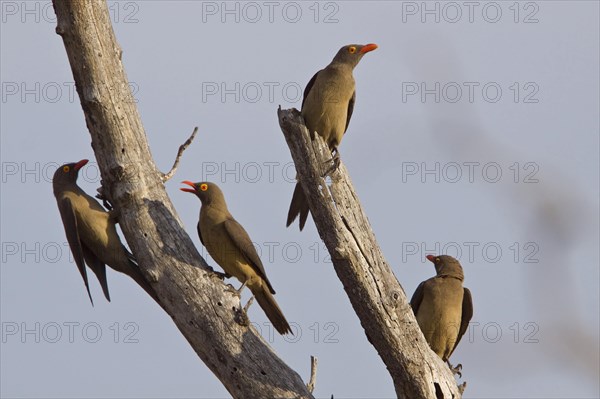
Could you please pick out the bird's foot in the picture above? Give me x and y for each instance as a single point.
(104, 198)
(462, 387)
(106, 203)
(335, 159)
(241, 315)
(220, 275)
(232, 289)
(456, 370)
(239, 290)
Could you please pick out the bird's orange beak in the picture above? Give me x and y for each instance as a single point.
(189, 190)
(368, 47)
(80, 164)
(431, 258)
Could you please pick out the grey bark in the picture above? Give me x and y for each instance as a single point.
(206, 313)
(374, 292)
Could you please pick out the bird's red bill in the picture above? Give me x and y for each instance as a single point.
(430, 258)
(80, 164)
(368, 47)
(188, 190)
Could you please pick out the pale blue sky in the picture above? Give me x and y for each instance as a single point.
(518, 96)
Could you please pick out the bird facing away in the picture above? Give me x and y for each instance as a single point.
(443, 307)
(91, 231)
(327, 107)
(230, 246)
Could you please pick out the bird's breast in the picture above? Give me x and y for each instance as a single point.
(440, 312)
(325, 109)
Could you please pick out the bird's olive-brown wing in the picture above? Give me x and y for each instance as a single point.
(69, 220)
(467, 313)
(309, 86)
(200, 234)
(417, 298)
(350, 110)
(242, 241)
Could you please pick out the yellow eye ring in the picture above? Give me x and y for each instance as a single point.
(204, 187)
(66, 169)
(352, 49)
(437, 260)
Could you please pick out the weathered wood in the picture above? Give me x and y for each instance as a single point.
(376, 295)
(206, 313)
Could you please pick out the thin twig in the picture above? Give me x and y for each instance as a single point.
(313, 374)
(166, 176)
(248, 304)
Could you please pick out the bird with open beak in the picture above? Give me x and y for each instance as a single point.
(230, 246)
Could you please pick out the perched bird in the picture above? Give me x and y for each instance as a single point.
(230, 246)
(443, 307)
(326, 108)
(91, 231)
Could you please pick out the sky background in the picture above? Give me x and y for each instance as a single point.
(475, 133)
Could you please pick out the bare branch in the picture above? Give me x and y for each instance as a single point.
(166, 176)
(195, 298)
(250, 301)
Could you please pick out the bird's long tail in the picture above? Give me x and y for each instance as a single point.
(100, 272)
(267, 302)
(298, 206)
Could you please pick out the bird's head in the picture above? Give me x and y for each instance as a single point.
(446, 265)
(207, 192)
(352, 53)
(67, 173)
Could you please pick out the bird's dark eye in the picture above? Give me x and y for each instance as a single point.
(204, 187)
(66, 168)
(352, 49)
(437, 260)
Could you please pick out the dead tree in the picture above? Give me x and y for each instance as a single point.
(206, 313)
